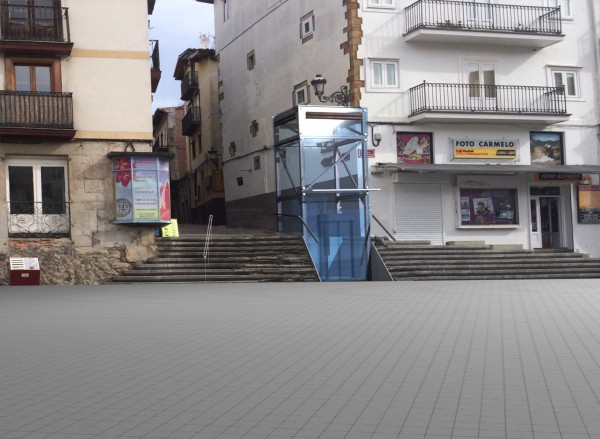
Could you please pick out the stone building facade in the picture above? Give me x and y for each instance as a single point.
(61, 75)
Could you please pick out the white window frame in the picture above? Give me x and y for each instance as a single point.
(302, 87)
(383, 4)
(564, 70)
(36, 163)
(308, 19)
(384, 86)
(563, 14)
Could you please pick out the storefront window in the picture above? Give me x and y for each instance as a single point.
(488, 207)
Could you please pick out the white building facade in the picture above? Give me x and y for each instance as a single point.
(484, 115)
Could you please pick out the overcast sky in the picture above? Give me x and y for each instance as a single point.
(177, 24)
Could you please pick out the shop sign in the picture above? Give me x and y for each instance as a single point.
(485, 148)
(588, 204)
(557, 176)
(142, 189)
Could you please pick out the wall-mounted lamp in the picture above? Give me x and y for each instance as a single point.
(339, 97)
(212, 156)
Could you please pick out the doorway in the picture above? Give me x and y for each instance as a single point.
(546, 227)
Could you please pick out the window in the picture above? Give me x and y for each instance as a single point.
(567, 79)
(384, 74)
(564, 5)
(250, 60)
(481, 78)
(37, 196)
(381, 3)
(307, 27)
(226, 9)
(301, 94)
(33, 74)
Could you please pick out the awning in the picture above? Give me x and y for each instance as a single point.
(497, 169)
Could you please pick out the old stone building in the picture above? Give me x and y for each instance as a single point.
(75, 87)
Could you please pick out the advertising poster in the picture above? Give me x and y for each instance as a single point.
(588, 204)
(485, 149)
(142, 189)
(488, 207)
(123, 194)
(546, 148)
(414, 147)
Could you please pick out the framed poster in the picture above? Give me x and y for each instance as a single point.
(546, 148)
(488, 207)
(414, 147)
(588, 204)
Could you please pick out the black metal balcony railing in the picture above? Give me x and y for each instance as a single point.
(443, 14)
(191, 121)
(189, 84)
(34, 23)
(28, 218)
(158, 147)
(507, 99)
(154, 55)
(21, 109)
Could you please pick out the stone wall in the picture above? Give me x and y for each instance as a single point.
(62, 264)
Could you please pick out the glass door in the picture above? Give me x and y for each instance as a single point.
(481, 80)
(545, 222)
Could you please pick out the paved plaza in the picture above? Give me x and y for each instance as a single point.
(410, 360)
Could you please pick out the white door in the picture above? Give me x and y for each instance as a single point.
(37, 196)
(545, 229)
(479, 14)
(535, 231)
(419, 213)
(481, 89)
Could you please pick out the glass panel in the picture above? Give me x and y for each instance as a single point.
(42, 79)
(20, 185)
(390, 74)
(558, 79)
(534, 226)
(571, 84)
(43, 12)
(22, 78)
(377, 74)
(489, 80)
(286, 129)
(17, 11)
(331, 128)
(474, 80)
(53, 190)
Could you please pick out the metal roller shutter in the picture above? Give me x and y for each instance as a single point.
(419, 213)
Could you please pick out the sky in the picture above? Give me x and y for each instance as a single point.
(177, 24)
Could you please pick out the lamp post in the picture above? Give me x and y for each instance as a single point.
(339, 97)
(212, 156)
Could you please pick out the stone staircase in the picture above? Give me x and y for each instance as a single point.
(235, 257)
(406, 261)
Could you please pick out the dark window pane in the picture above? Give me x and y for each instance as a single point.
(53, 190)
(22, 78)
(20, 185)
(42, 78)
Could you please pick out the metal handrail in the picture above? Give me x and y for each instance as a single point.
(30, 109)
(303, 223)
(470, 16)
(205, 254)
(383, 227)
(479, 98)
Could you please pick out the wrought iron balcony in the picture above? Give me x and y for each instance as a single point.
(155, 72)
(38, 219)
(430, 102)
(34, 29)
(36, 114)
(482, 23)
(158, 147)
(189, 84)
(191, 121)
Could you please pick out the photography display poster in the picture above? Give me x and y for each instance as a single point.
(145, 189)
(123, 193)
(588, 204)
(546, 148)
(488, 207)
(414, 148)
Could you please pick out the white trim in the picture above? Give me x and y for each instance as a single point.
(307, 31)
(552, 69)
(371, 86)
(378, 4)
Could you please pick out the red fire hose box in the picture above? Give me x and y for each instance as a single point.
(24, 271)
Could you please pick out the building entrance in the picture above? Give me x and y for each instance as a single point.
(546, 227)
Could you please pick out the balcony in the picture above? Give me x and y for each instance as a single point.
(191, 121)
(37, 115)
(155, 72)
(28, 219)
(431, 102)
(189, 84)
(158, 147)
(456, 22)
(34, 29)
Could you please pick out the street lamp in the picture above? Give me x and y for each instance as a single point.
(339, 97)
(212, 156)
